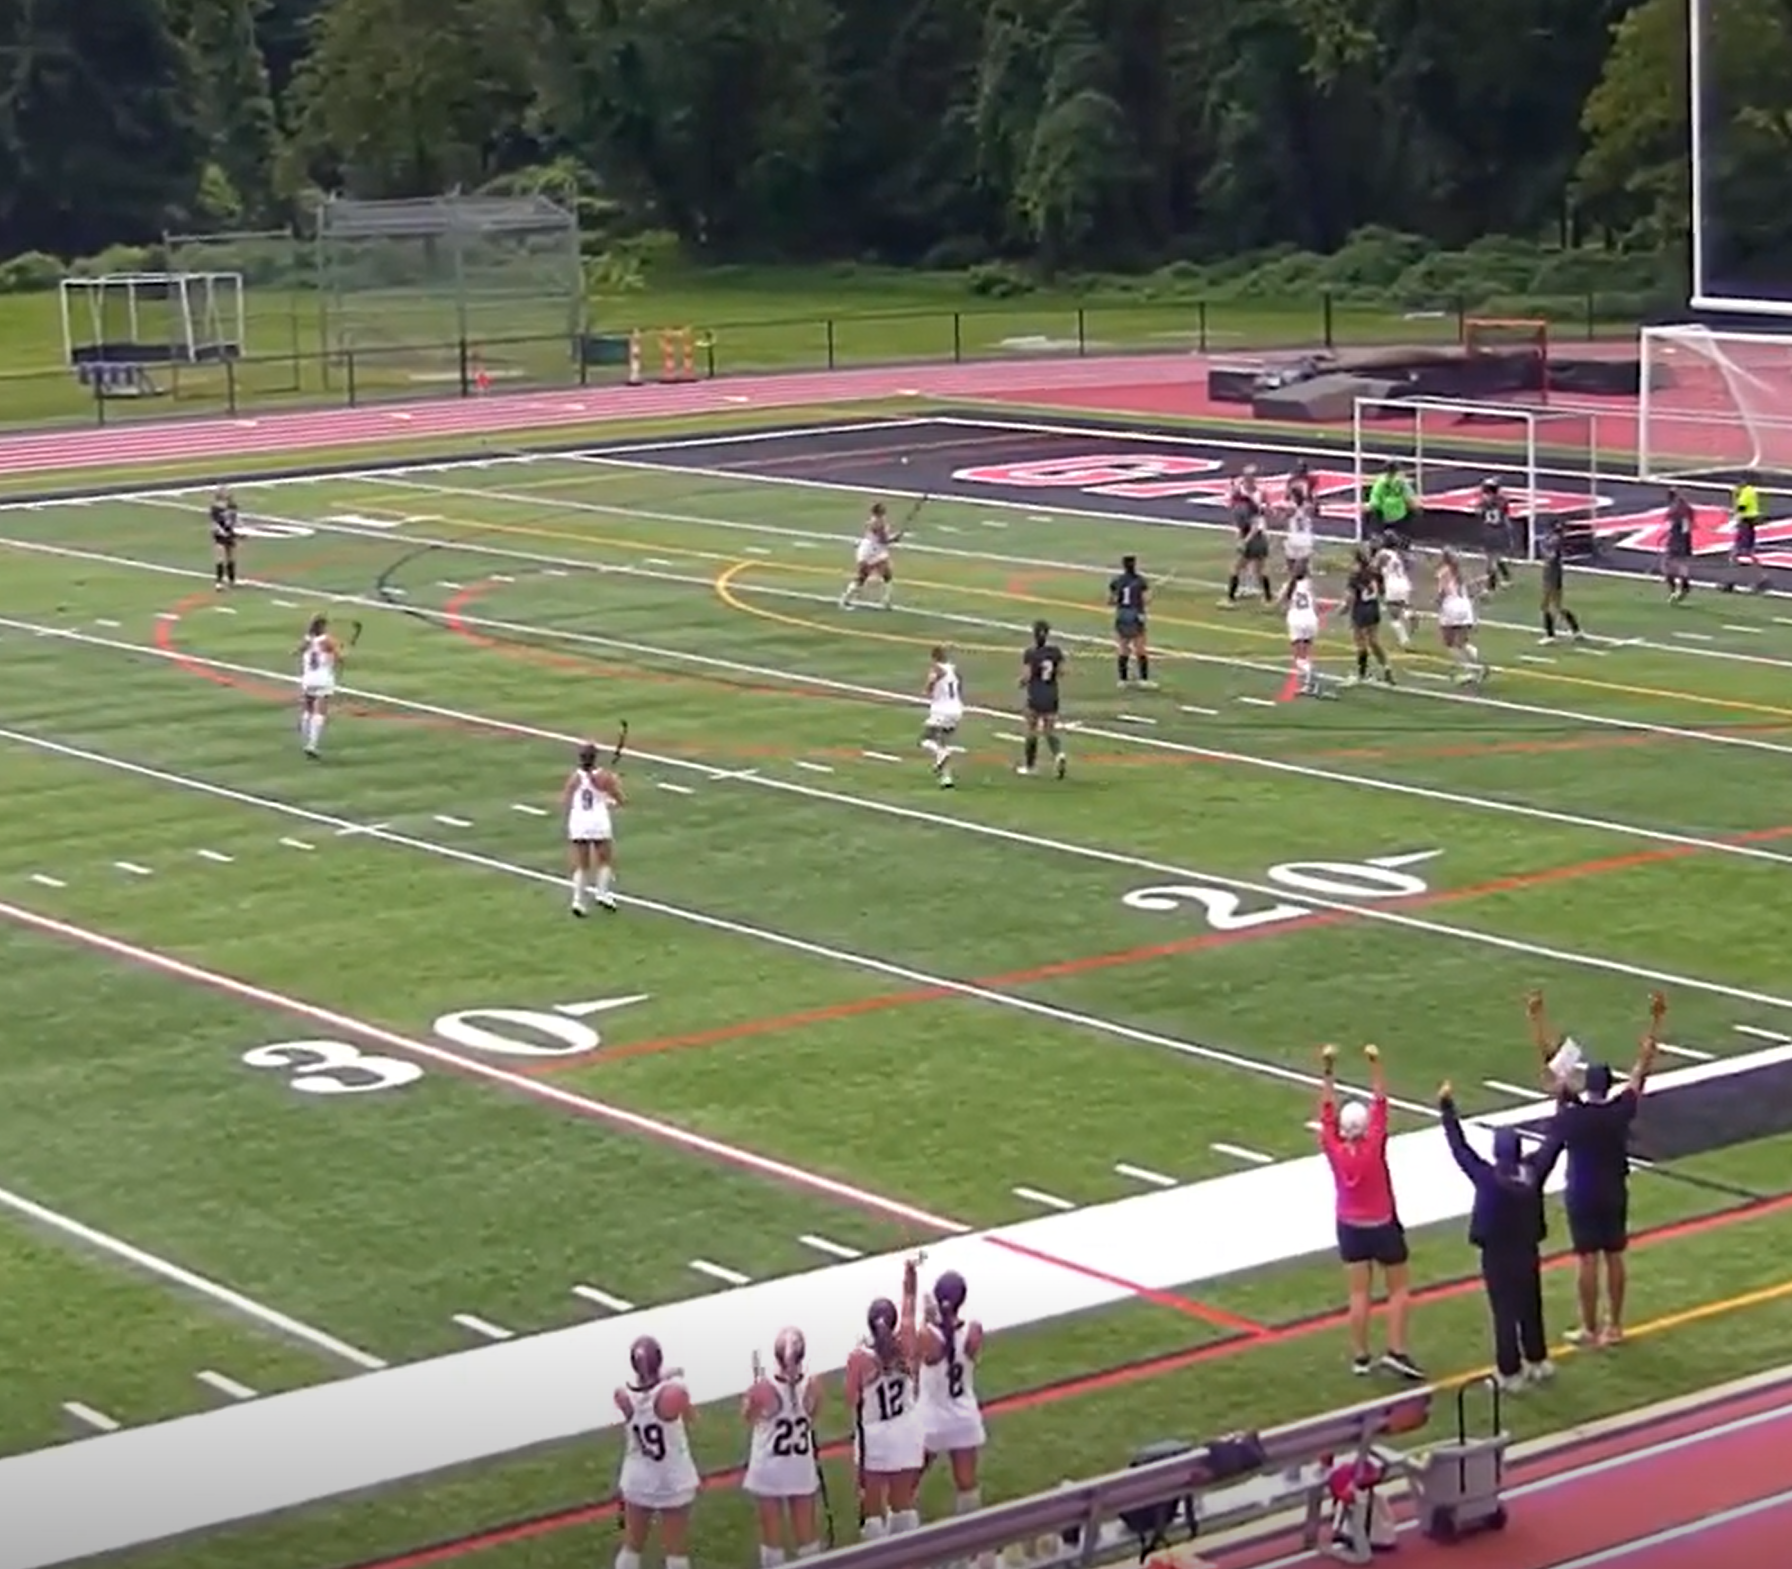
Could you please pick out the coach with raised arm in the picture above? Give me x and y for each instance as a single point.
(1594, 1127)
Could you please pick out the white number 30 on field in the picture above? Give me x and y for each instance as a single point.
(333, 1067)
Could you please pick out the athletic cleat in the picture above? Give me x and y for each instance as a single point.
(1580, 1335)
(1362, 1367)
(1063, 765)
(1024, 771)
(1540, 1372)
(579, 911)
(1547, 640)
(1399, 1362)
(607, 903)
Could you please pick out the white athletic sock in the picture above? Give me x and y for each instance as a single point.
(905, 1520)
(850, 593)
(1303, 670)
(1400, 632)
(770, 1557)
(627, 1558)
(968, 1502)
(317, 731)
(578, 889)
(809, 1550)
(931, 747)
(606, 881)
(1474, 654)
(680, 1562)
(873, 1528)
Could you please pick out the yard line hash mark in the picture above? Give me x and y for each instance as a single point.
(133, 868)
(728, 1277)
(216, 856)
(527, 810)
(675, 789)
(45, 881)
(1691, 1053)
(226, 1386)
(1039, 1196)
(881, 757)
(833, 1249)
(452, 822)
(88, 1417)
(1501, 1087)
(150, 1263)
(1155, 1179)
(1248, 1156)
(298, 844)
(482, 1327)
(811, 768)
(603, 1299)
(1761, 1034)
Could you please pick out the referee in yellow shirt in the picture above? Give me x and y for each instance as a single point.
(1745, 518)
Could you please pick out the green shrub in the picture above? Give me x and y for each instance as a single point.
(956, 253)
(32, 273)
(999, 281)
(1373, 258)
(1297, 273)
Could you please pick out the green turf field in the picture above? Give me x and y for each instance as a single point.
(743, 319)
(1151, 989)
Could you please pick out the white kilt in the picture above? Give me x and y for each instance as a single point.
(948, 1431)
(887, 1448)
(589, 827)
(872, 554)
(1456, 611)
(665, 1484)
(1303, 627)
(945, 716)
(317, 684)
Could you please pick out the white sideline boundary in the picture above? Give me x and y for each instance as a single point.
(285, 1451)
(752, 777)
(190, 1281)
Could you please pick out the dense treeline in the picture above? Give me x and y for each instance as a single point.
(1086, 132)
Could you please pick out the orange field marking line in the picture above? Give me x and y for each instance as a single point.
(1518, 882)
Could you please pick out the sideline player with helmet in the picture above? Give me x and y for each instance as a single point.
(659, 1480)
(590, 795)
(881, 1392)
(226, 528)
(782, 1476)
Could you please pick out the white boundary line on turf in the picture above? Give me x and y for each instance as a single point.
(188, 1280)
(890, 809)
(920, 979)
(429, 1051)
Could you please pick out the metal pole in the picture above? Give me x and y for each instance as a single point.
(1356, 449)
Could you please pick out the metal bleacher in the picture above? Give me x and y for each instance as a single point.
(1080, 1523)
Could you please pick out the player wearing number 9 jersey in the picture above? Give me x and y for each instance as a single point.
(659, 1478)
(951, 1421)
(781, 1471)
(880, 1389)
(590, 795)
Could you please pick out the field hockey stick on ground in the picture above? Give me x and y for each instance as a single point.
(617, 750)
(354, 633)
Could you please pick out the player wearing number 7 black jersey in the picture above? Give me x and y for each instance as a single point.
(1041, 669)
(659, 1478)
(782, 1476)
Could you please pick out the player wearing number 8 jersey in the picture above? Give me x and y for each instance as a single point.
(781, 1471)
(880, 1389)
(951, 1420)
(659, 1478)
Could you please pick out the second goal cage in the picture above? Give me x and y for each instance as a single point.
(1522, 345)
(1714, 402)
(1546, 461)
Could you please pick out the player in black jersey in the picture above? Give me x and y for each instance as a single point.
(1251, 525)
(1128, 593)
(1041, 669)
(1495, 514)
(1299, 491)
(224, 536)
(1555, 572)
(1363, 593)
(1676, 554)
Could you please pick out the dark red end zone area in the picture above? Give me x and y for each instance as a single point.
(1709, 1486)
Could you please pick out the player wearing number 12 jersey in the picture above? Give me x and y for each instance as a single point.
(951, 1420)
(659, 1478)
(782, 1476)
(880, 1390)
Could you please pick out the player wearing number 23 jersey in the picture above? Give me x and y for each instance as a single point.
(781, 1470)
(659, 1478)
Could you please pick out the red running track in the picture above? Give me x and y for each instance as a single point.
(197, 438)
(1707, 1488)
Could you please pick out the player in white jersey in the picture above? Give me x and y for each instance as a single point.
(320, 658)
(1456, 619)
(872, 559)
(1396, 588)
(1298, 536)
(945, 712)
(1301, 603)
(782, 1474)
(659, 1478)
(881, 1392)
(591, 794)
(951, 1420)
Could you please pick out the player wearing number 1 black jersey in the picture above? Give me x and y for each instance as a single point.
(782, 1477)
(1041, 670)
(1128, 593)
(659, 1479)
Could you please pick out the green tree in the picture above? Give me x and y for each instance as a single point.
(99, 140)
(236, 103)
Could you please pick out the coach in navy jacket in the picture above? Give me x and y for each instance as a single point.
(1507, 1224)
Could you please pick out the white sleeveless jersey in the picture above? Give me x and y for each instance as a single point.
(1394, 581)
(781, 1459)
(657, 1469)
(945, 699)
(1454, 608)
(889, 1425)
(1301, 601)
(950, 1416)
(588, 815)
(317, 663)
(1298, 541)
(874, 546)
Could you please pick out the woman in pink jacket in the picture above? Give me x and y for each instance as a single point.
(1355, 1141)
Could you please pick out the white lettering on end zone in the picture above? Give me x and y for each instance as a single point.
(1381, 877)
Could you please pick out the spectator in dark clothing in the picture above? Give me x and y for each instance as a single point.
(1594, 1127)
(1507, 1224)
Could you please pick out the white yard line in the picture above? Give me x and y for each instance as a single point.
(529, 811)
(603, 1299)
(468, 1066)
(88, 1417)
(217, 857)
(134, 868)
(831, 1248)
(1144, 1174)
(165, 1269)
(1249, 1156)
(1690, 1053)
(226, 1386)
(482, 1327)
(1040, 1197)
(1763, 1035)
(721, 1272)
(44, 880)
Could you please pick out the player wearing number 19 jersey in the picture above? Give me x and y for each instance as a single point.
(880, 1390)
(782, 1476)
(951, 1420)
(659, 1478)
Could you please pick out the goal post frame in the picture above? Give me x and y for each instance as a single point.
(1703, 409)
(1378, 424)
(194, 295)
(1536, 328)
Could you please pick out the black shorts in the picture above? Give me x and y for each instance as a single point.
(1599, 1225)
(1552, 580)
(224, 541)
(1497, 542)
(1364, 617)
(1678, 566)
(1042, 700)
(1255, 548)
(1742, 542)
(1129, 627)
(1384, 1245)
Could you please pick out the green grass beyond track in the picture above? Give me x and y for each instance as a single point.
(778, 792)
